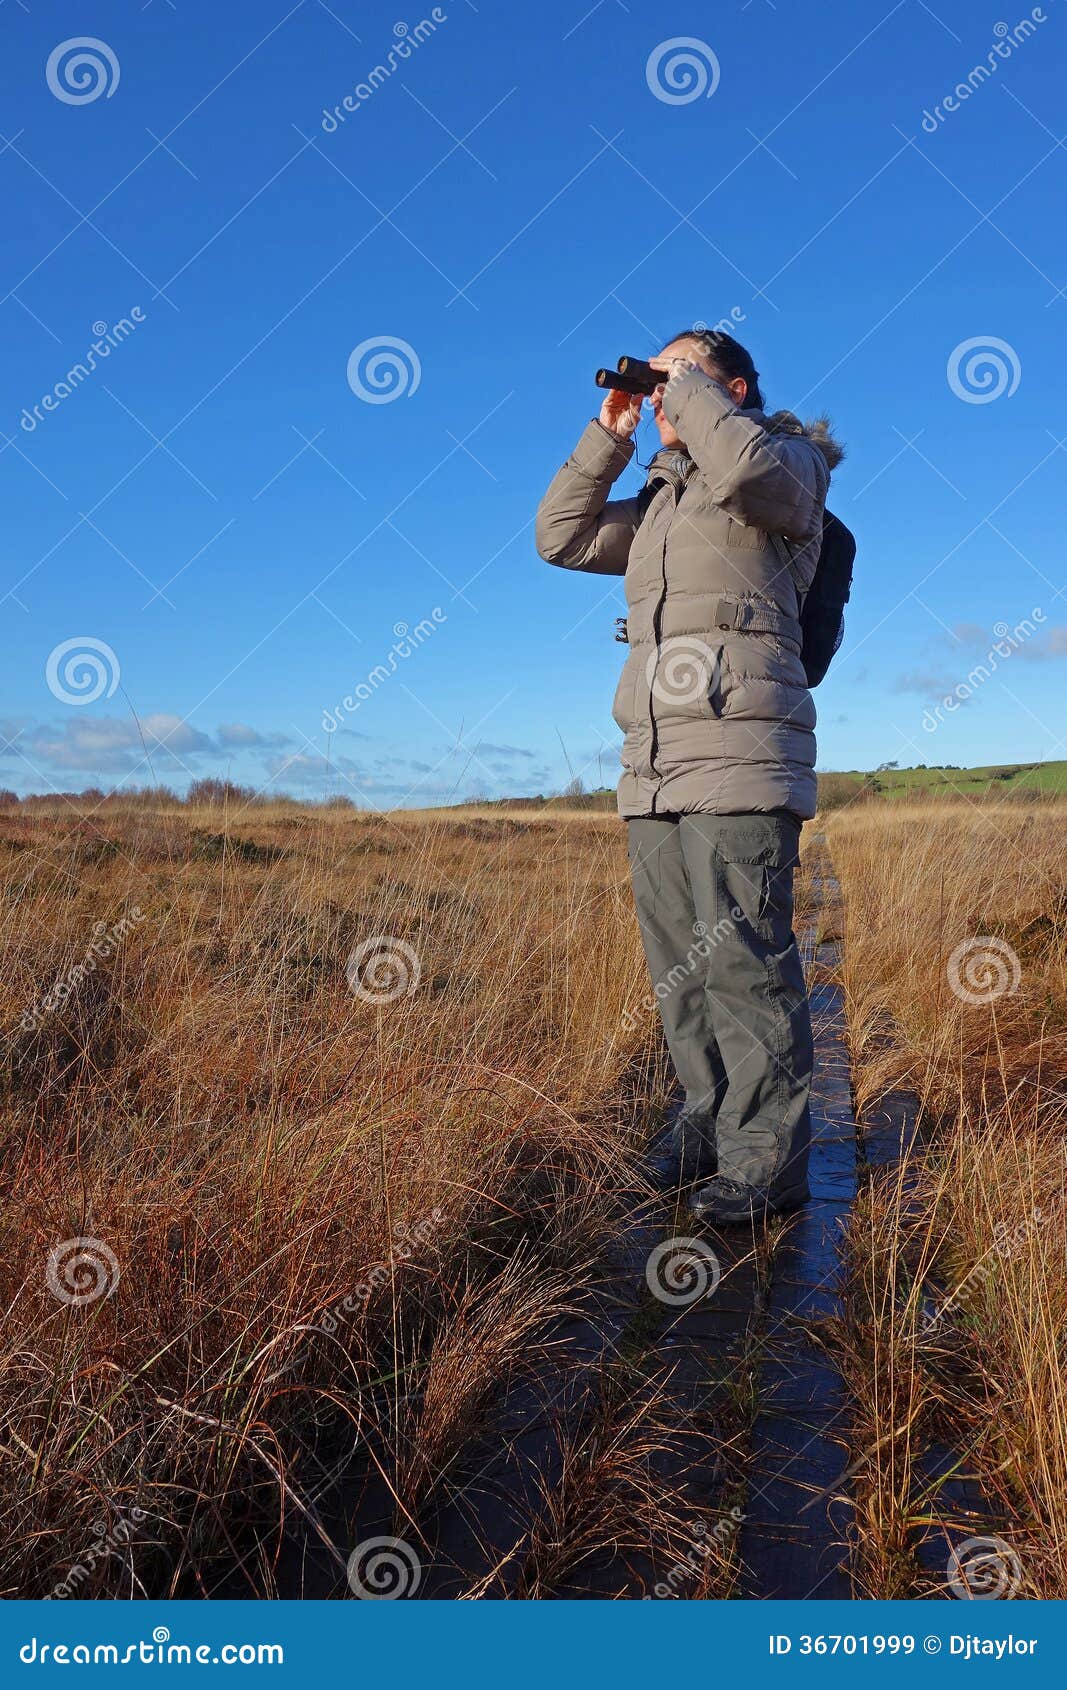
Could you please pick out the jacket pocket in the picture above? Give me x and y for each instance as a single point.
(685, 679)
(622, 708)
(745, 535)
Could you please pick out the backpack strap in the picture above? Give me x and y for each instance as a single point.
(788, 555)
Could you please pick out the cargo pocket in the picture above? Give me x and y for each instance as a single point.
(759, 899)
(757, 867)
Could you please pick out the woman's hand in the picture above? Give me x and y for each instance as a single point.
(620, 413)
(672, 367)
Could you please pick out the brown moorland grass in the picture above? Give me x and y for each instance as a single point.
(957, 1327)
(336, 1221)
(347, 1224)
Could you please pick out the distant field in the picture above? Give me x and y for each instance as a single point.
(991, 780)
(837, 787)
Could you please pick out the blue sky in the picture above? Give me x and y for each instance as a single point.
(238, 534)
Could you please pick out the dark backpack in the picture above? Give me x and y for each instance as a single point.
(822, 618)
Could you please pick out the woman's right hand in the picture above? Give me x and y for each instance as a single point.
(620, 413)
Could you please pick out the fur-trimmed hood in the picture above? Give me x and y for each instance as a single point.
(674, 464)
(817, 429)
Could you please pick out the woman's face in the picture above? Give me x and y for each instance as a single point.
(737, 389)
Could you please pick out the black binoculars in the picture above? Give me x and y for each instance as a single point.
(632, 376)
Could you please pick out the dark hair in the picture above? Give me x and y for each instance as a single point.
(729, 357)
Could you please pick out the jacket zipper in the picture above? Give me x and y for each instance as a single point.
(657, 625)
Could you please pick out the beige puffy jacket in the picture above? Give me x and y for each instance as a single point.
(717, 550)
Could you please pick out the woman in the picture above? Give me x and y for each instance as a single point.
(718, 551)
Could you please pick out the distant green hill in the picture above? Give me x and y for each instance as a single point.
(993, 780)
(844, 786)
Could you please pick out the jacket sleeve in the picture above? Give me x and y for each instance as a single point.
(776, 482)
(577, 525)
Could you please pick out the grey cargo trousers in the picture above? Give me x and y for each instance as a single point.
(714, 899)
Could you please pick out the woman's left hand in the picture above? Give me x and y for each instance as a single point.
(672, 367)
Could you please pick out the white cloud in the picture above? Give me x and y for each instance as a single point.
(239, 736)
(160, 743)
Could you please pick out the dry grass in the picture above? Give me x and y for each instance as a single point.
(257, 1144)
(346, 1230)
(958, 1306)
